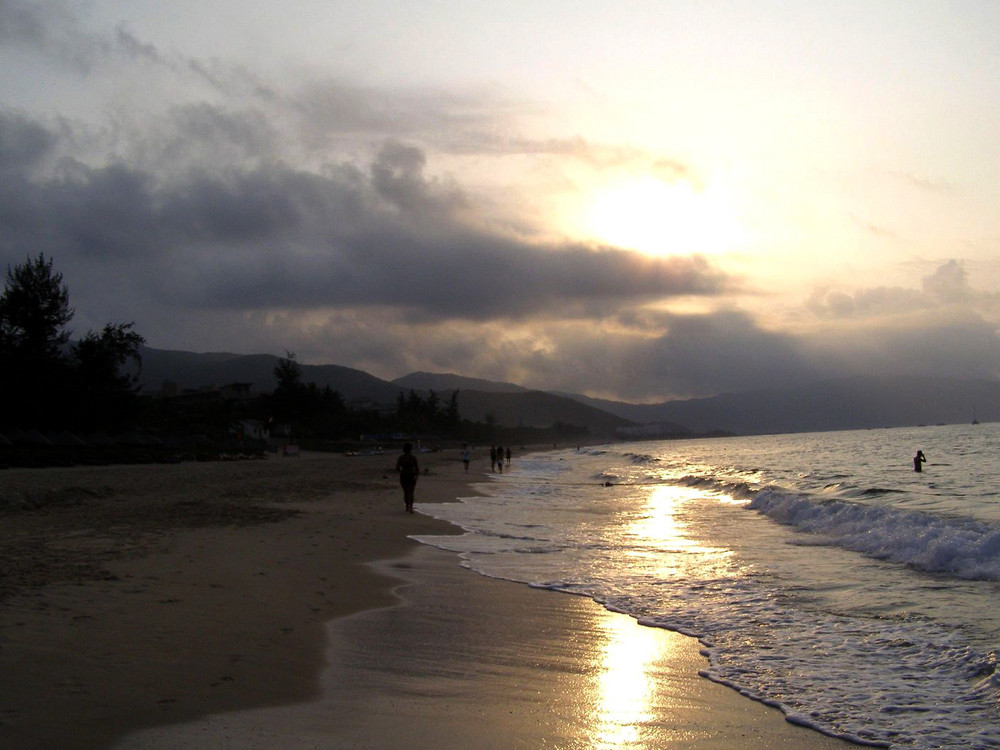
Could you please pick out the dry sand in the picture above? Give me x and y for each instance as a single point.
(210, 605)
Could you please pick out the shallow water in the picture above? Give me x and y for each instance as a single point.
(821, 573)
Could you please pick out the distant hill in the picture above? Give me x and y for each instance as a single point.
(840, 404)
(635, 413)
(438, 382)
(849, 403)
(510, 405)
(192, 370)
(535, 409)
(513, 405)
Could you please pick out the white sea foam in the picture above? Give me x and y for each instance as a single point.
(965, 548)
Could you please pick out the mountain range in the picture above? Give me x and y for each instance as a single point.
(847, 403)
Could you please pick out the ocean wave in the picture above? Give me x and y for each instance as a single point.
(875, 491)
(736, 489)
(641, 458)
(960, 547)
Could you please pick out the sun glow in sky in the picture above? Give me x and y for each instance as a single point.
(641, 200)
(663, 218)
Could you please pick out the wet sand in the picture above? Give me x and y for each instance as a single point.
(239, 605)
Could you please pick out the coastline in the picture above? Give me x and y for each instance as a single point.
(198, 632)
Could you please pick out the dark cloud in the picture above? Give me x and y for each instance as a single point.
(21, 23)
(943, 342)
(205, 134)
(23, 144)
(724, 351)
(52, 30)
(962, 345)
(397, 176)
(133, 48)
(273, 236)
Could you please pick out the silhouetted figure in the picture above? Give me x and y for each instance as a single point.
(508, 455)
(500, 458)
(409, 471)
(466, 456)
(919, 461)
(493, 458)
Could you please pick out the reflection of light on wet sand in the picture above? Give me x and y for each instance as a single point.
(625, 685)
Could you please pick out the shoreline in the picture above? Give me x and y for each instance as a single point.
(199, 623)
(468, 661)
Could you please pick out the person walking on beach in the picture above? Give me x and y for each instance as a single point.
(919, 461)
(409, 470)
(493, 458)
(508, 455)
(500, 458)
(466, 456)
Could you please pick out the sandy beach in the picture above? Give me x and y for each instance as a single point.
(278, 604)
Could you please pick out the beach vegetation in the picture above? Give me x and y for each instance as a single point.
(34, 310)
(311, 410)
(46, 381)
(426, 414)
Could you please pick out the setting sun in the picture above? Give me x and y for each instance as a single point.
(663, 218)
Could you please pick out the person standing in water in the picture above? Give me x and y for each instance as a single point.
(919, 461)
(409, 470)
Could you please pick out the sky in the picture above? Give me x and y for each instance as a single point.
(632, 200)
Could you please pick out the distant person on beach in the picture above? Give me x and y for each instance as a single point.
(500, 458)
(508, 455)
(408, 470)
(493, 458)
(466, 456)
(918, 461)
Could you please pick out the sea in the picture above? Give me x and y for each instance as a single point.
(821, 574)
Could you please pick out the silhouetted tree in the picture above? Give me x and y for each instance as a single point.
(289, 397)
(310, 410)
(34, 308)
(42, 382)
(34, 375)
(451, 413)
(288, 374)
(106, 392)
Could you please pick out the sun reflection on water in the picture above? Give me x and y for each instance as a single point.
(630, 698)
(660, 534)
